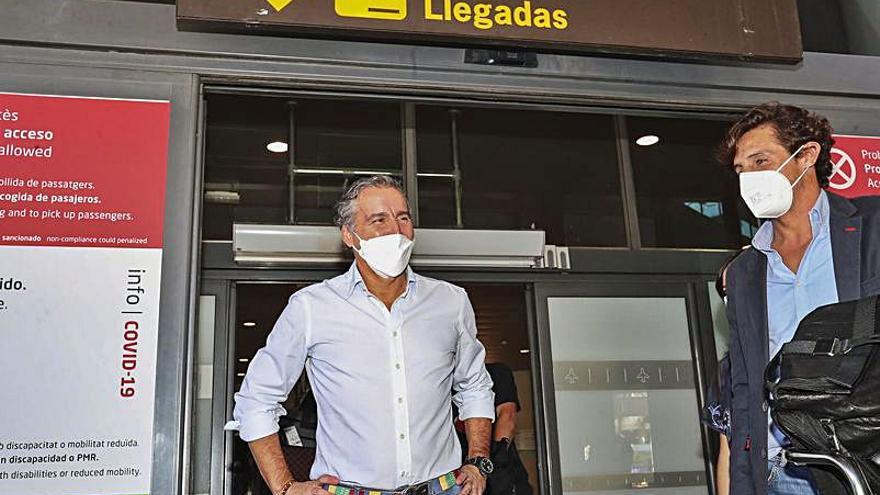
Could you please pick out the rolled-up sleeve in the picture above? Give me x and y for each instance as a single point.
(272, 374)
(471, 382)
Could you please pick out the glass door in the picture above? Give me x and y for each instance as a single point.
(621, 386)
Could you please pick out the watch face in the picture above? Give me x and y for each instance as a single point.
(486, 465)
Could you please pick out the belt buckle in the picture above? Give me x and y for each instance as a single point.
(419, 489)
(827, 347)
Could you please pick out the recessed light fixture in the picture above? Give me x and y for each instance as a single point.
(277, 147)
(243, 360)
(524, 351)
(648, 140)
(239, 374)
(249, 324)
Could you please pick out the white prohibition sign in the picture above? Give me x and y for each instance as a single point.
(843, 171)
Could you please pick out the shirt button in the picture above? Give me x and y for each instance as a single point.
(397, 365)
(402, 436)
(395, 333)
(400, 400)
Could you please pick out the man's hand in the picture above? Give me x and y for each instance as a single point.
(313, 487)
(471, 480)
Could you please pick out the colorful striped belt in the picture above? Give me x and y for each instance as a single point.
(430, 487)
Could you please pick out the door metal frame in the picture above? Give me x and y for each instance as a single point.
(224, 318)
(537, 287)
(217, 264)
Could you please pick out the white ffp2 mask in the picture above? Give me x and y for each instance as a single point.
(767, 193)
(387, 255)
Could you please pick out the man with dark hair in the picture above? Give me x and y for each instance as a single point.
(387, 352)
(818, 248)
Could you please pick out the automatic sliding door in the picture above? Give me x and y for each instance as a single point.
(622, 400)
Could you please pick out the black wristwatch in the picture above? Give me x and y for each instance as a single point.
(484, 464)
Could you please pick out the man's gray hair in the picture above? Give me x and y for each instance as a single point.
(346, 207)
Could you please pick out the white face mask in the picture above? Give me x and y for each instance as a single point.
(387, 255)
(767, 193)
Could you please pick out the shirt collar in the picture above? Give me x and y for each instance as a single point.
(819, 215)
(353, 279)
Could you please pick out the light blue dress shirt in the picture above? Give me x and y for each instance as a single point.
(384, 381)
(791, 296)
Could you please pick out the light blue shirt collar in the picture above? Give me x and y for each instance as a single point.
(820, 214)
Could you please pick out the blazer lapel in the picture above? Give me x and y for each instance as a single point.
(846, 247)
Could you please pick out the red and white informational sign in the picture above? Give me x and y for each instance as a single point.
(856, 162)
(82, 184)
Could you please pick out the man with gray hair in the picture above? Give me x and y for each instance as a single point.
(387, 352)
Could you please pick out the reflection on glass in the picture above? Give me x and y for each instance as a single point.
(626, 402)
(335, 135)
(840, 26)
(333, 144)
(521, 169)
(719, 321)
(244, 181)
(632, 425)
(685, 198)
(437, 202)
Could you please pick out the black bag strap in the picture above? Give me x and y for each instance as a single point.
(771, 376)
(864, 328)
(865, 318)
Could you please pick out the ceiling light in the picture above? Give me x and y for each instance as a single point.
(249, 324)
(239, 374)
(319, 171)
(370, 172)
(243, 360)
(277, 147)
(524, 351)
(648, 140)
(448, 176)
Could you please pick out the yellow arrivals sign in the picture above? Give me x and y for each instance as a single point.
(760, 30)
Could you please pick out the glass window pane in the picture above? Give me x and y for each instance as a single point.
(437, 202)
(314, 197)
(203, 397)
(335, 142)
(348, 135)
(525, 169)
(840, 26)
(626, 402)
(686, 199)
(719, 321)
(244, 181)
(434, 139)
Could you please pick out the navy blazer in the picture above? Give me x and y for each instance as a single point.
(855, 245)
